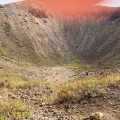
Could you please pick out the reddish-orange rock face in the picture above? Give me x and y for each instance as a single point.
(66, 6)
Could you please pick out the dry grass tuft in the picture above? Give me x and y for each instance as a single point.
(14, 109)
(72, 91)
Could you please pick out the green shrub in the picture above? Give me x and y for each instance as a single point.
(102, 92)
(1, 117)
(7, 27)
(93, 86)
(14, 109)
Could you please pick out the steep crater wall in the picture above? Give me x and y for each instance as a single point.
(35, 35)
(95, 36)
(28, 34)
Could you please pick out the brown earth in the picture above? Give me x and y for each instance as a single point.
(109, 105)
(32, 39)
(40, 101)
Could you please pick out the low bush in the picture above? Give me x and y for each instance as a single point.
(93, 87)
(14, 109)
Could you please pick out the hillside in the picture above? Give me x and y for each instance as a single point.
(63, 67)
(35, 35)
(26, 36)
(95, 36)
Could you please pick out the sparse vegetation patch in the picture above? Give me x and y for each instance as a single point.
(7, 27)
(91, 87)
(14, 109)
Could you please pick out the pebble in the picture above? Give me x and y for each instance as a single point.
(96, 116)
(1, 97)
(12, 96)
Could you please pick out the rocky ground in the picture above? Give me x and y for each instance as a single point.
(32, 38)
(38, 99)
(54, 75)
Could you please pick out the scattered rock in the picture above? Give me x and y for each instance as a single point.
(97, 116)
(43, 104)
(11, 95)
(1, 97)
(1, 6)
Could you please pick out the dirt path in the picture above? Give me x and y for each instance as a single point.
(53, 75)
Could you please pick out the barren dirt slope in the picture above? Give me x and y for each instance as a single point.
(30, 35)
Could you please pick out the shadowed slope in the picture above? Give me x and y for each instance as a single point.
(95, 36)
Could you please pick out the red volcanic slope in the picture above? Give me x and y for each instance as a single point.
(67, 6)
